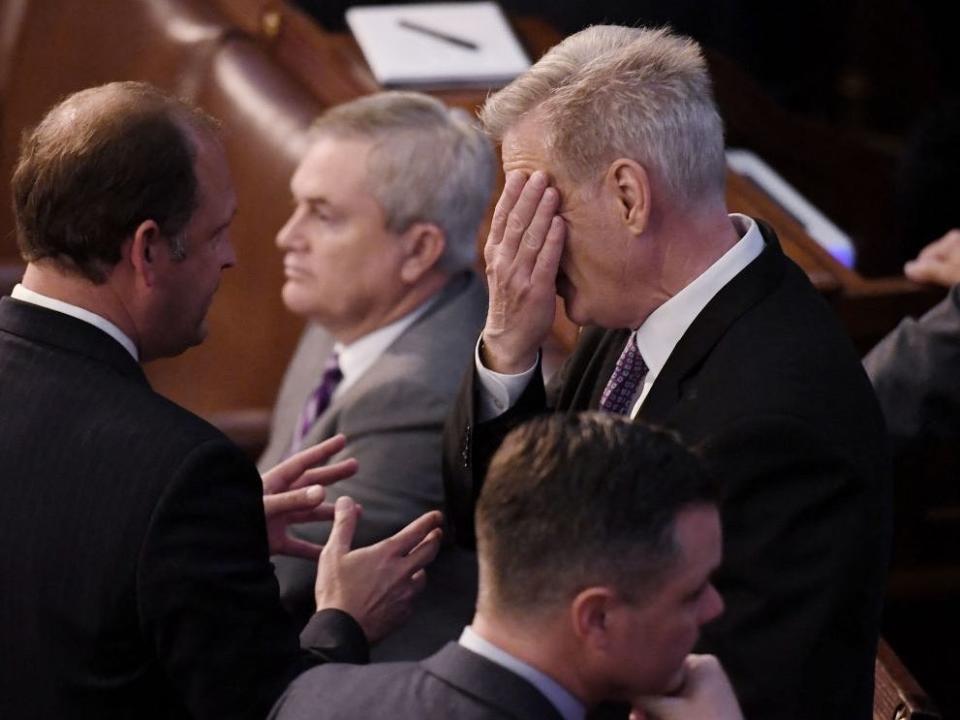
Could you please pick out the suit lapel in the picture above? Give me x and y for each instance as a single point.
(749, 287)
(414, 339)
(55, 329)
(489, 683)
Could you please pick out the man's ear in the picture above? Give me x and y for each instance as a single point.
(629, 183)
(423, 245)
(590, 615)
(144, 249)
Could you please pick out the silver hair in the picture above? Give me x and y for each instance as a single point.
(428, 163)
(610, 91)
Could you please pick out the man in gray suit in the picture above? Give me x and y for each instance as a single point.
(597, 537)
(377, 256)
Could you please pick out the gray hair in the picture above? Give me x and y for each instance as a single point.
(428, 163)
(611, 91)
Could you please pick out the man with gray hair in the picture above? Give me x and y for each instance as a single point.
(695, 320)
(597, 538)
(378, 255)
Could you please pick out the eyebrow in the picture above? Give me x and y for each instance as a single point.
(225, 224)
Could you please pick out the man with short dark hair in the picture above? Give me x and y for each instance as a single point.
(596, 540)
(133, 549)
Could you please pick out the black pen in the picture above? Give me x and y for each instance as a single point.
(452, 39)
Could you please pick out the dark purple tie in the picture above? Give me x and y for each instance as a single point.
(318, 401)
(621, 390)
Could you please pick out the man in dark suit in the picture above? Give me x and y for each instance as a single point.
(134, 556)
(378, 256)
(694, 320)
(596, 540)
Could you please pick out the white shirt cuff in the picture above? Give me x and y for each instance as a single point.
(498, 392)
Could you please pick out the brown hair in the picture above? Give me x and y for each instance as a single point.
(101, 162)
(577, 500)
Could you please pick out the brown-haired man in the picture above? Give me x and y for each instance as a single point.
(133, 548)
(596, 540)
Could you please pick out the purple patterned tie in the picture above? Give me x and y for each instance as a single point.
(318, 401)
(621, 390)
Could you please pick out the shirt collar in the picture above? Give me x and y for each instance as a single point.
(27, 295)
(664, 327)
(562, 699)
(357, 357)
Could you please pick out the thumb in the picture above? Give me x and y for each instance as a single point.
(344, 526)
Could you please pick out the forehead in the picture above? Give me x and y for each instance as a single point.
(524, 146)
(332, 166)
(699, 539)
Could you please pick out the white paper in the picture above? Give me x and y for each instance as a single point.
(400, 56)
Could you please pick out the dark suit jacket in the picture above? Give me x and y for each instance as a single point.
(453, 683)
(133, 554)
(768, 386)
(393, 419)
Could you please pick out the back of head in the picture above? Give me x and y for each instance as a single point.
(609, 92)
(428, 163)
(572, 501)
(100, 162)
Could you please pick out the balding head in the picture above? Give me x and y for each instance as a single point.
(101, 162)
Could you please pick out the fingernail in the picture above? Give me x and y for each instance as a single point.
(314, 493)
(343, 503)
(539, 178)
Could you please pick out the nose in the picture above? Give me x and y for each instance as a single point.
(228, 254)
(712, 605)
(284, 239)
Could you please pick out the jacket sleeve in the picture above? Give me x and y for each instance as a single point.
(913, 371)
(208, 599)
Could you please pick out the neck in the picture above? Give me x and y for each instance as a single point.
(537, 644)
(46, 278)
(688, 243)
(395, 309)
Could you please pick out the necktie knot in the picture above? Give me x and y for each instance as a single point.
(623, 385)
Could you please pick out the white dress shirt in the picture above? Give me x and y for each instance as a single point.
(658, 334)
(101, 323)
(357, 357)
(569, 707)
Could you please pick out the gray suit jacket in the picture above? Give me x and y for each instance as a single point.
(453, 683)
(914, 372)
(393, 417)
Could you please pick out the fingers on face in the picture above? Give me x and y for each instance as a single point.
(548, 259)
(512, 187)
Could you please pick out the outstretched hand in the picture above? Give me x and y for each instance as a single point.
(293, 493)
(522, 255)
(375, 584)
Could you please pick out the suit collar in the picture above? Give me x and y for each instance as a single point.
(489, 683)
(49, 327)
(749, 287)
(415, 339)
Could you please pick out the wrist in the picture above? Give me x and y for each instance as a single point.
(495, 356)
